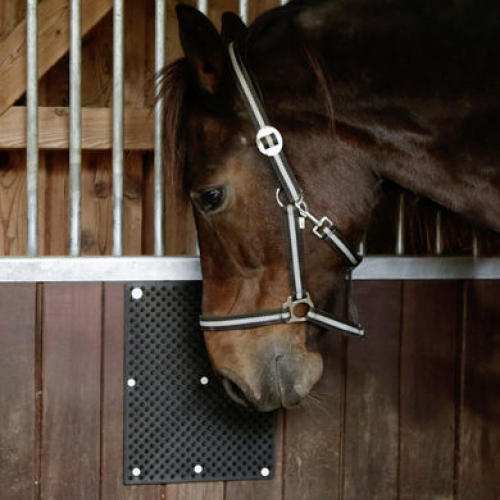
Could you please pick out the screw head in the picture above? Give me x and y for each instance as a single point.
(198, 469)
(204, 380)
(137, 293)
(264, 472)
(131, 382)
(136, 471)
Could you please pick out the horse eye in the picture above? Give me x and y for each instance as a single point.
(211, 199)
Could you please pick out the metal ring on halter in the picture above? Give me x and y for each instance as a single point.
(278, 192)
(300, 203)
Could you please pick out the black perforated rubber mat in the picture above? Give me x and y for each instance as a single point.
(179, 424)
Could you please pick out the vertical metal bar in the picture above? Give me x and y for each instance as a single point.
(243, 10)
(160, 62)
(32, 125)
(75, 128)
(438, 244)
(203, 6)
(118, 87)
(400, 229)
(475, 244)
(362, 246)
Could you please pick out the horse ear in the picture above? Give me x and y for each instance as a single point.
(203, 47)
(233, 28)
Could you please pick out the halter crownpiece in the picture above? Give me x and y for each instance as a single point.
(299, 306)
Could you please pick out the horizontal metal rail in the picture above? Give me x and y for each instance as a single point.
(79, 269)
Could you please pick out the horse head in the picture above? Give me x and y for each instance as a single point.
(239, 222)
(338, 154)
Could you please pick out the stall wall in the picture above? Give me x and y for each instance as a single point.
(411, 413)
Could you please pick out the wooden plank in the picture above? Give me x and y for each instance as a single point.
(195, 491)
(478, 455)
(312, 446)
(53, 28)
(112, 487)
(133, 204)
(71, 404)
(97, 128)
(97, 209)
(371, 438)
(17, 396)
(55, 215)
(13, 226)
(430, 325)
(11, 14)
(257, 490)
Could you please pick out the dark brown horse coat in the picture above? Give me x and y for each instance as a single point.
(362, 91)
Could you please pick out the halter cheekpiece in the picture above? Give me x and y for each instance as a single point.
(299, 306)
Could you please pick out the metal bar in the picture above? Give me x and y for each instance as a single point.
(475, 244)
(427, 268)
(438, 244)
(118, 99)
(75, 128)
(32, 125)
(159, 196)
(400, 228)
(73, 269)
(362, 246)
(243, 10)
(203, 6)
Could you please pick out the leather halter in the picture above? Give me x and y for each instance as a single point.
(295, 212)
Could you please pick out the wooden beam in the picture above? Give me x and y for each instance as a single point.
(53, 28)
(97, 128)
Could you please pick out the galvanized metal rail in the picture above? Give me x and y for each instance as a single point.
(76, 269)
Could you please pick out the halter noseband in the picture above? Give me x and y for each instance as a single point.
(295, 212)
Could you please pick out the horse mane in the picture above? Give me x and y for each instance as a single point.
(173, 86)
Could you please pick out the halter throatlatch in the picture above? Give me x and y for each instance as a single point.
(299, 306)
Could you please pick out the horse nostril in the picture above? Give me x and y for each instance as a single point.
(235, 393)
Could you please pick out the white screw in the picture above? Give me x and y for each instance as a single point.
(265, 472)
(131, 382)
(204, 380)
(198, 469)
(137, 293)
(136, 471)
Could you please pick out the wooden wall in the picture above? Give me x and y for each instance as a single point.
(411, 413)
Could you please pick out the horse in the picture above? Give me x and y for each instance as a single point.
(362, 92)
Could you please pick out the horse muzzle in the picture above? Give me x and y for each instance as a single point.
(281, 380)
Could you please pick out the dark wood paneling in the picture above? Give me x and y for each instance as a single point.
(479, 438)
(412, 412)
(17, 392)
(372, 397)
(430, 325)
(71, 404)
(312, 435)
(112, 487)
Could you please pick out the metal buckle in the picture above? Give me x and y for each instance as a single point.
(323, 223)
(269, 133)
(291, 304)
